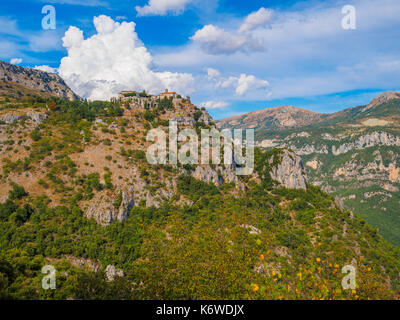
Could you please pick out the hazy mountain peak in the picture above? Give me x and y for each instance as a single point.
(277, 117)
(382, 98)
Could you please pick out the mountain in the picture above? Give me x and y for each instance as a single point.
(78, 193)
(272, 119)
(16, 81)
(353, 155)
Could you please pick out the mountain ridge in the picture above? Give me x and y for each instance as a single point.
(296, 117)
(33, 79)
(353, 155)
(77, 192)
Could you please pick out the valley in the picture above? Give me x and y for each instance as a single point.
(352, 154)
(77, 193)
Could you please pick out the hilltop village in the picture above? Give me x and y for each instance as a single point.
(180, 109)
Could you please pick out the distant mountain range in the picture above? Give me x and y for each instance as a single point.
(289, 117)
(353, 154)
(77, 193)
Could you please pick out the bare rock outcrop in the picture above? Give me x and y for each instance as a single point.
(290, 171)
(378, 138)
(112, 272)
(218, 175)
(36, 79)
(104, 208)
(16, 115)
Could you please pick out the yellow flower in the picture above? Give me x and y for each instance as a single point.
(368, 269)
(319, 244)
(261, 256)
(255, 287)
(279, 276)
(336, 266)
(300, 276)
(275, 279)
(318, 260)
(356, 297)
(354, 291)
(273, 272)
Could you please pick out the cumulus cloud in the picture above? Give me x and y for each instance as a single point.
(246, 82)
(46, 68)
(15, 60)
(214, 40)
(114, 59)
(162, 7)
(256, 19)
(214, 104)
(213, 74)
(242, 84)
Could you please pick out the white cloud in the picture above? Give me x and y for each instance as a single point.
(242, 84)
(15, 60)
(162, 7)
(245, 82)
(256, 19)
(46, 68)
(213, 74)
(114, 59)
(309, 54)
(214, 104)
(8, 26)
(214, 40)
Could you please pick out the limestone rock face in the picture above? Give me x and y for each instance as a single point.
(112, 272)
(207, 174)
(15, 116)
(218, 176)
(103, 210)
(205, 117)
(127, 203)
(37, 79)
(377, 138)
(290, 171)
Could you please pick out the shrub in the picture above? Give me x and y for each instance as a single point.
(139, 155)
(195, 189)
(17, 192)
(107, 180)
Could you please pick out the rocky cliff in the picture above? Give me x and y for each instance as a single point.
(290, 171)
(354, 155)
(36, 79)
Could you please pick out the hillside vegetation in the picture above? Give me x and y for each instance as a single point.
(353, 155)
(77, 193)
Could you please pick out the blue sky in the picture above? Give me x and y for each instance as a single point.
(231, 56)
